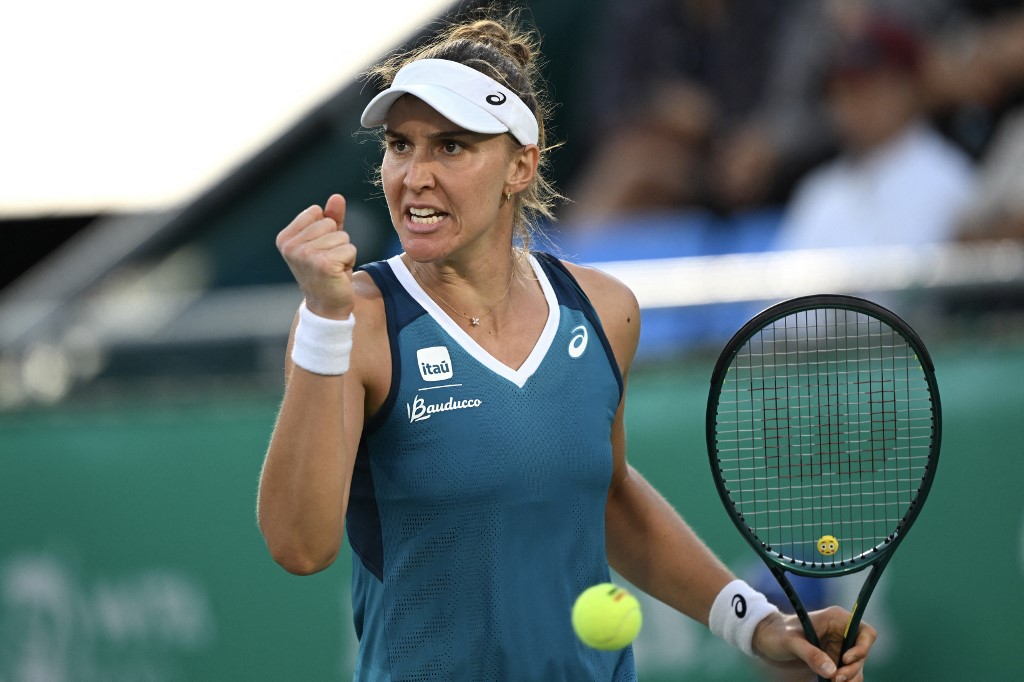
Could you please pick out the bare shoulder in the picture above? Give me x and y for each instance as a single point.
(369, 299)
(602, 288)
(617, 307)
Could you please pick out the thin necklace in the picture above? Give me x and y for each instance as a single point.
(475, 321)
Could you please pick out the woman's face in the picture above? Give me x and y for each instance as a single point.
(444, 185)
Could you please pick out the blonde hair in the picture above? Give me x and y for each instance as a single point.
(499, 48)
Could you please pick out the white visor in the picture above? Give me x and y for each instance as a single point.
(463, 95)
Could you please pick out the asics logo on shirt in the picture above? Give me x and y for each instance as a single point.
(578, 342)
(435, 363)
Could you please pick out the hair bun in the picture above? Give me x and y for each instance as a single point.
(491, 33)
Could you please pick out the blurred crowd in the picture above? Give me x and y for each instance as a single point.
(863, 122)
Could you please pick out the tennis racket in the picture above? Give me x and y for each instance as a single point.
(823, 431)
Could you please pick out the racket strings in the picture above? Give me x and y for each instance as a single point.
(824, 428)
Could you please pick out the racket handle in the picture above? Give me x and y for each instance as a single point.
(857, 612)
(809, 632)
(850, 636)
(798, 607)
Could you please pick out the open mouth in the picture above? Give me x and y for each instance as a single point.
(425, 216)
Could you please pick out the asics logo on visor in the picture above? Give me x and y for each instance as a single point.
(467, 97)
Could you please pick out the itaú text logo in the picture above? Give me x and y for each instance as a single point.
(435, 363)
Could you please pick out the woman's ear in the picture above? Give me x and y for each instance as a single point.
(522, 168)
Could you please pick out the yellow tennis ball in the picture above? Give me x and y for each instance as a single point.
(606, 617)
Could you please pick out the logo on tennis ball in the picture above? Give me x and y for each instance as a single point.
(606, 617)
(828, 545)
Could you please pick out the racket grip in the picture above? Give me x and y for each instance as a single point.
(852, 626)
(798, 607)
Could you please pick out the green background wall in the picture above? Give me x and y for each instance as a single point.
(129, 549)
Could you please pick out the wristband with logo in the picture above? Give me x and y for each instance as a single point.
(737, 610)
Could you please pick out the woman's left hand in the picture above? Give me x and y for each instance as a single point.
(779, 640)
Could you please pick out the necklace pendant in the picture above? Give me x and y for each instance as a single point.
(475, 321)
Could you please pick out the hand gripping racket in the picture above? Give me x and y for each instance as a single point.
(823, 430)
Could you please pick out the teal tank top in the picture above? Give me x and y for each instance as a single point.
(477, 509)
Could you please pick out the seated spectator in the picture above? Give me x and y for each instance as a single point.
(711, 104)
(976, 86)
(896, 180)
(667, 77)
(974, 71)
(997, 211)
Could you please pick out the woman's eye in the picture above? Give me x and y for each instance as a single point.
(451, 147)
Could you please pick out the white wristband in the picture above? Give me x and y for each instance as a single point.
(321, 345)
(737, 610)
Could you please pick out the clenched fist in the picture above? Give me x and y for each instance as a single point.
(321, 256)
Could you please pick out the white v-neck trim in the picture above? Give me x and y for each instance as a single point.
(520, 376)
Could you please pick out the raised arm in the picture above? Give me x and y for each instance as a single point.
(305, 481)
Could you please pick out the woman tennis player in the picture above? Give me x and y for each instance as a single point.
(458, 409)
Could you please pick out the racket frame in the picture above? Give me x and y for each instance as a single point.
(877, 557)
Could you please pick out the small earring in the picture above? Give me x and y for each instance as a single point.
(508, 197)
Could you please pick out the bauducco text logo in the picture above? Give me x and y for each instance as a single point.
(421, 409)
(435, 363)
